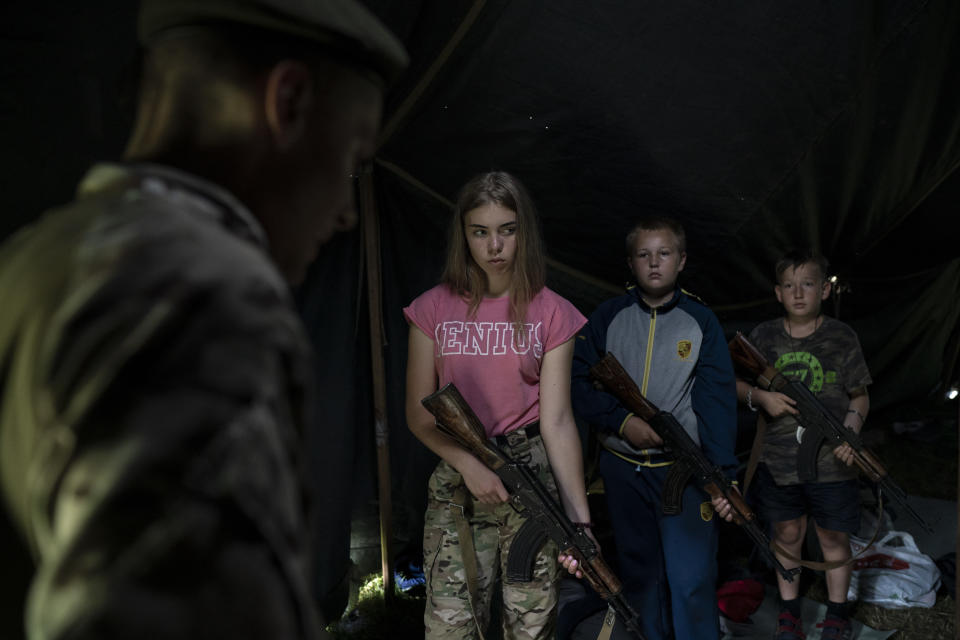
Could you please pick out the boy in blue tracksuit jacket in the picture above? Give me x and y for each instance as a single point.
(672, 346)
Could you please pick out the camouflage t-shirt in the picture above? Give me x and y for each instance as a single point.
(830, 363)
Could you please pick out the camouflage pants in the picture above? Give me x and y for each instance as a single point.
(529, 608)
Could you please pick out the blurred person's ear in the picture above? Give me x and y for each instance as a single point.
(288, 102)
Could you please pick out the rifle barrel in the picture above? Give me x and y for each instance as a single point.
(900, 497)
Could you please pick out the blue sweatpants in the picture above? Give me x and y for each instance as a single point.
(668, 564)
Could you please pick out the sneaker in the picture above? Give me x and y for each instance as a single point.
(788, 627)
(410, 578)
(836, 629)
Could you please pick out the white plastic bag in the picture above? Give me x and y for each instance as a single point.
(893, 573)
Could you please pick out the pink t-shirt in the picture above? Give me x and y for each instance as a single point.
(498, 376)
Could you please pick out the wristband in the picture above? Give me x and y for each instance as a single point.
(859, 415)
(750, 399)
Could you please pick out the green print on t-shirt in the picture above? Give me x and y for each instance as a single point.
(803, 364)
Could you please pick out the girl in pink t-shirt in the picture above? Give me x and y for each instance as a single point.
(506, 341)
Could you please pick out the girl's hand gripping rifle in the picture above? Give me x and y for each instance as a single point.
(689, 458)
(544, 516)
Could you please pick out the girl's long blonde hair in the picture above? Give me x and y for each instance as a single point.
(464, 276)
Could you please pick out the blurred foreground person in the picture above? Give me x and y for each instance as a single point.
(153, 370)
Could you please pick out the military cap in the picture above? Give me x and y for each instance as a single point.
(344, 27)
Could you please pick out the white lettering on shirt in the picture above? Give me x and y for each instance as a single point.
(504, 332)
(475, 338)
(448, 338)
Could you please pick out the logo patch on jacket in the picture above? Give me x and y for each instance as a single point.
(684, 347)
(706, 511)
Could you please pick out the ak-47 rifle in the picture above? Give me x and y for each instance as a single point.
(545, 518)
(820, 426)
(690, 462)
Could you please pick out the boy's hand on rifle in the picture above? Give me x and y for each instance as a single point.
(570, 562)
(484, 484)
(640, 434)
(845, 452)
(723, 507)
(776, 404)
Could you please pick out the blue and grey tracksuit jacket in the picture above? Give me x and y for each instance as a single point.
(677, 355)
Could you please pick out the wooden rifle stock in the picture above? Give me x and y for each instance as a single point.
(617, 381)
(747, 357)
(456, 419)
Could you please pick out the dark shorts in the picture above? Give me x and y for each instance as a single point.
(834, 505)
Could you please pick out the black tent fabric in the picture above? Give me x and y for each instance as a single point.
(760, 125)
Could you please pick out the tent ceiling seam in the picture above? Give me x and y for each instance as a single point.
(555, 264)
(908, 209)
(410, 179)
(411, 100)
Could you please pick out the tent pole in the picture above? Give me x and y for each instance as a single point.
(371, 233)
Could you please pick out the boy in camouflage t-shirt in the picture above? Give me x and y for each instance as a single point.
(825, 355)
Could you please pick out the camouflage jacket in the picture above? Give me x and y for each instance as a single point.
(152, 372)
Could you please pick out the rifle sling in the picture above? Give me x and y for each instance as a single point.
(460, 506)
(755, 453)
(606, 629)
(827, 566)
